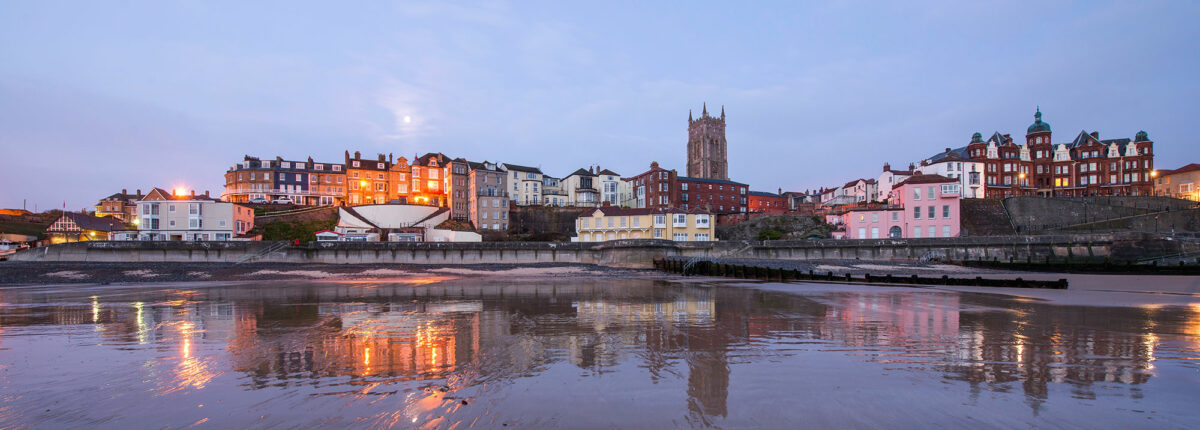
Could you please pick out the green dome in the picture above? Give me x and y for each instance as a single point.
(1141, 137)
(977, 138)
(1038, 124)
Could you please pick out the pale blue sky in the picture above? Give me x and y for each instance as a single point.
(100, 96)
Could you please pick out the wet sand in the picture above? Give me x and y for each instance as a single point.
(461, 349)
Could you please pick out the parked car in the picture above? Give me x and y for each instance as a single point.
(259, 200)
(284, 201)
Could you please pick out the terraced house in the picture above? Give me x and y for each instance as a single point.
(302, 182)
(367, 179)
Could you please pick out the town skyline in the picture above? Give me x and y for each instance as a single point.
(89, 116)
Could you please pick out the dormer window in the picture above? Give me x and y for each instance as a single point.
(354, 163)
(379, 165)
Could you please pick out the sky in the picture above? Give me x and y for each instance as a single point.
(96, 97)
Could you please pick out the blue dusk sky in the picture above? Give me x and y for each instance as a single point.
(96, 96)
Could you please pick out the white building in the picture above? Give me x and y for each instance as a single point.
(610, 186)
(625, 194)
(888, 179)
(525, 183)
(956, 164)
(398, 223)
(162, 215)
(581, 188)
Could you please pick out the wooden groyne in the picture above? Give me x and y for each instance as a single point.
(752, 271)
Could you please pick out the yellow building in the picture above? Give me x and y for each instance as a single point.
(1179, 183)
(613, 223)
(366, 180)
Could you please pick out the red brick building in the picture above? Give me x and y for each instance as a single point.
(1086, 166)
(767, 203)
(660, 188)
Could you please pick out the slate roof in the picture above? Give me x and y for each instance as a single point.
(520, 168)
(619, 211)
(608, 172)
(581, 172)
(1185, 169)
(442, 159)
(712, 181)
(124, 196)
(954, 155)
(763, 194)
(88, 222)
(926, 179)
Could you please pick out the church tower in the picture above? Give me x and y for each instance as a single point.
(706, 146)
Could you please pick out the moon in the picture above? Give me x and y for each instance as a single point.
(407, 119)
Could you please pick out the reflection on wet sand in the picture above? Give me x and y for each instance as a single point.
(406, 353)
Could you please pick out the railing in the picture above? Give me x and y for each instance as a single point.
(492, 194)
(228, 192)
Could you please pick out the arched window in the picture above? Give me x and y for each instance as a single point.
(895, 232)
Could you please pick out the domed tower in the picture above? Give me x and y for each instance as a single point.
(1041, 151)
(706, 146)
(976, 150)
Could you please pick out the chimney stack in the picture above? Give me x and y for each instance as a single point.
(1095, 135)
(139, 191)
(310, 160)
(887, 166)
(947, 150)
(124, 192)
(911, 166)
(205, 193)
(357, 155)
(193, 193)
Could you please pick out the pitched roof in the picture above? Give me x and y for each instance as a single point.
(620, 211)
(763, 194)
(157, 194)
(1185, 169)
(581, 172)
(442, 159)
(714, 181)
(953, 155)
(89, 222)
(926, 179)
(608, 172)
(520, 168)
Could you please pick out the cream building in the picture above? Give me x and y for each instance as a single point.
(613, 223)
(162, 215)
(525, 184)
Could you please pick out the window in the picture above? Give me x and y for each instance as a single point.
(916, 232)
(170, 208)
(679, 220)
(637, 221)
(702, 220)
(874, 216)
(337, 167)
(932, 212)
(916, 212)
(658, 234)
(680, 237)
(660, 221)
(945, 231)
(896, 216)
(916, 193)
(945, 211)
(874, 232)
(702, 237)
(684, 185)
(610, 222)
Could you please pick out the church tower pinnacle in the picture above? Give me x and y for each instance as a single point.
(707, 146)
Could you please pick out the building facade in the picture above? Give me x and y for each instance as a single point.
(613, 223)
(954, 164)
(459, 189)
(707, 158)
(888, 179)
(923, 206)
(767, 203)
(121, 206)
(525, 184)
(78, 227)
(166, 216)
(490, 203)
(367, 179)
(303, 182)
(1086, 166)
(1179, 183)
(582, 188)
(610, 186)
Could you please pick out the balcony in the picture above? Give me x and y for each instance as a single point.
(491, 193)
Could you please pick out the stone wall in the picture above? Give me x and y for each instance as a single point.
(622, 253)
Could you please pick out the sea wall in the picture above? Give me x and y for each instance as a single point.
(621, 253)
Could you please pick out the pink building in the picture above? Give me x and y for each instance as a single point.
(923, 206)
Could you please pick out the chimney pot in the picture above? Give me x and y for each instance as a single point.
(123, 191)
(139, 191)
(357, 155)
(947, 150)
(193, 193)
